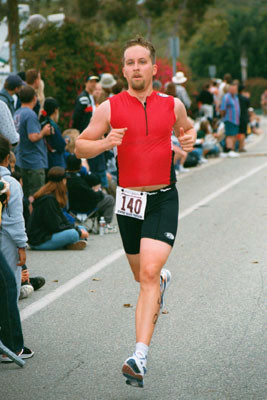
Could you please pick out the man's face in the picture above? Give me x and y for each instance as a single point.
(138, 68)
(90, 85)
(233, 89)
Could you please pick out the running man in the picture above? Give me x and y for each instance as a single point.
(140, 122)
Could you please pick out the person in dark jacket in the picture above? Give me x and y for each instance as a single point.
(55, 143)
(48, 228)
(84, 192)
(244, 117)
(85, 104)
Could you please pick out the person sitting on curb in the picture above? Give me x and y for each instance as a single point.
(85, 193)
(48, 228)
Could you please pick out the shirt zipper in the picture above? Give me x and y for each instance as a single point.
(146, 118)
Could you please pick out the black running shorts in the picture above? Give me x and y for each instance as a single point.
(160, 223)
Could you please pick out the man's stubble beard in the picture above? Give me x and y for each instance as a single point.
(140, 85)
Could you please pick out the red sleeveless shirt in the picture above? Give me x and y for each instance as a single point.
(145, 157)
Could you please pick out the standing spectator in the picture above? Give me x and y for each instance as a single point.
(230, 111)
(107, 82)
(13, 238)
(244, 117)
(264, 102)
(10, 333)
(227, 79)
(179, 79)
(33, 79)
(85, 104)
(7, 126)
(32, 151)
(206, 99)
(55, 143)
(12, 86)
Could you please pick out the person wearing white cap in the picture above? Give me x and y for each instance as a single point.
(107, 82)
(178, 79)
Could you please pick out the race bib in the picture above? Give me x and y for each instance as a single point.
(130, 203)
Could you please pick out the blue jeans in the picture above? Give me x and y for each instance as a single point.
(59, 240)
(10, 324)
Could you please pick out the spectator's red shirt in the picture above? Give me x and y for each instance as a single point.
(145, 155)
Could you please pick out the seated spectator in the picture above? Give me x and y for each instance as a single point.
(179, 156)
(210, 143)
(254, 122)
(55, 143)
(48, 228)
(70, 135)
(85, 193)
(13, 236)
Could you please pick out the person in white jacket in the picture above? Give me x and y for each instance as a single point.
(13, 238)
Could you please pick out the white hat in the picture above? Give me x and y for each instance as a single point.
(107, 81)
(179, 78)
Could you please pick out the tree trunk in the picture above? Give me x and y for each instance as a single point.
(13, 34)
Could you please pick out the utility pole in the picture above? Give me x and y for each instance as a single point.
(13, 34)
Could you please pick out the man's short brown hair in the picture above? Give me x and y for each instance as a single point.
(26, 94)
(140, 41)
(31, 76)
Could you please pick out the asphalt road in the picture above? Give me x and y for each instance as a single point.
(210, 345)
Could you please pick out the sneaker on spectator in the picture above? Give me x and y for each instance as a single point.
(183, 169)
(111, 229)
(25, 291)
(223, 155)
(80, 245)
(203, 160)
(233, 154)
(37, 282)
(24, 354)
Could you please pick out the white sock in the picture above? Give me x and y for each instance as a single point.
(141, 350)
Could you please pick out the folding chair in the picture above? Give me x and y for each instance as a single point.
(10, 354)
(89, 220)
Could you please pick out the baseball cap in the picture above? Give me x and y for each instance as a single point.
(92, 78)
(14, 81)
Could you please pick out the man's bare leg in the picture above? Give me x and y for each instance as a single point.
(146, 268)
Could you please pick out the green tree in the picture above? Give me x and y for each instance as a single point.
(225, 37)
(65, 56)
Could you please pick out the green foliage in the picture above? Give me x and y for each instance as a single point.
(119, 11)
(223, 38)
(88, 9)
(256, 87)
(65, 56)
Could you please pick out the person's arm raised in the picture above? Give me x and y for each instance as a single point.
(88, 144)
(183, 128)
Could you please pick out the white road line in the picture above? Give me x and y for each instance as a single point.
(218, 192)
(72, 283)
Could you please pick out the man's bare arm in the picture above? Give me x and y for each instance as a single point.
(183, 128)
(88, 144)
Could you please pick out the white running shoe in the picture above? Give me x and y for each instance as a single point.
(233, 154)
(165, 280)
(183, 169)
(134, 370)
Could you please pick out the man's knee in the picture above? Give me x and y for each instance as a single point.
(149, 275)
